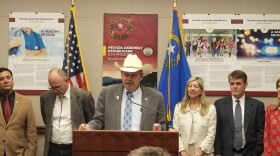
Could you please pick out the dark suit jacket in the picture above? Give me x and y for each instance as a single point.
(82, 110)
(20, 134)
(108, 109)
(253, 127)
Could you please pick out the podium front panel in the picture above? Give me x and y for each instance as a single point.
(120, 143)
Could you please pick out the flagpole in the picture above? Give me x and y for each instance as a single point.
(168, 85)
(174, 3)
(72, 2)
(67, 39)
(67, 55)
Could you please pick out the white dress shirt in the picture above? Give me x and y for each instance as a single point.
(136, 110)
(61, 122)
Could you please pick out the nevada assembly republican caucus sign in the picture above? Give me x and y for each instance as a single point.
(129, 34)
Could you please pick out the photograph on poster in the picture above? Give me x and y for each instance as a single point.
(25, 41)
(218, 43)
(258, 43)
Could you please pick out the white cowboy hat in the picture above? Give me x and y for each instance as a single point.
(133, 64)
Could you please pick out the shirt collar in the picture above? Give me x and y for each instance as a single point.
(242, 99)
(10, 96)
(188, 108)
(135, 93)
(67, 93)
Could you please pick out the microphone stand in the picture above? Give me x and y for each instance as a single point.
(167, 122)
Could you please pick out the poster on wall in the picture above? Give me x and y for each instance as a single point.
(220, 43)
(36, 44)
(129, 34)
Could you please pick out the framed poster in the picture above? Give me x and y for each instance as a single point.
(36, 44)
(220, 43)
(129, 34)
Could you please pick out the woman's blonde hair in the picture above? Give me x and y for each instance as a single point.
(204, 104)
(278, 98)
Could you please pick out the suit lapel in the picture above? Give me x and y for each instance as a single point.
(74, 109)
(247, 113)
(50, 100)
(2, 119)
(117, 105)
(145, 103)
(229, 111)
(16, 109)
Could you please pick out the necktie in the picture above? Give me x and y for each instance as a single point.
(7, 110)
(237, 142)
(127, 121)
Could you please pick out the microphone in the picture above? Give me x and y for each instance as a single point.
(167, 123)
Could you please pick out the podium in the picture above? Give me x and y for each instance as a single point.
(120, 143)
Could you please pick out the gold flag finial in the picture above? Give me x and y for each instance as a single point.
(72, 1)
(174, 3)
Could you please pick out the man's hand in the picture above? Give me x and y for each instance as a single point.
(183, 153)
(84, 127)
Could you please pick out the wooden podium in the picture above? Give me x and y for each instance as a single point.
(120, 143)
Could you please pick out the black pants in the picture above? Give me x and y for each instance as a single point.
(55, 150)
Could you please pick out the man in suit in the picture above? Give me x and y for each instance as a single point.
(113, 101)
(240, 121)
(63, 109)
(18, 132)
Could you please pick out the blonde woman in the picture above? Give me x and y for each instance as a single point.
(272, 128)
(195, 119)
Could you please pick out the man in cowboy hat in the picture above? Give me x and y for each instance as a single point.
(147, 103)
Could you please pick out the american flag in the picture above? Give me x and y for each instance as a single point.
(73, 61)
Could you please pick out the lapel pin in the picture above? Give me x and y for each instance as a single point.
(117, 97)
(146, 99)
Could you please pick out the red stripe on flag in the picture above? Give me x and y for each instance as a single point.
(80, 81)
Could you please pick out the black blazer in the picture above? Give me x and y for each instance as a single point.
(253, 127)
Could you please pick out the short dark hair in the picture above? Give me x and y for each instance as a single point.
(2, 69)
(238, 74)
